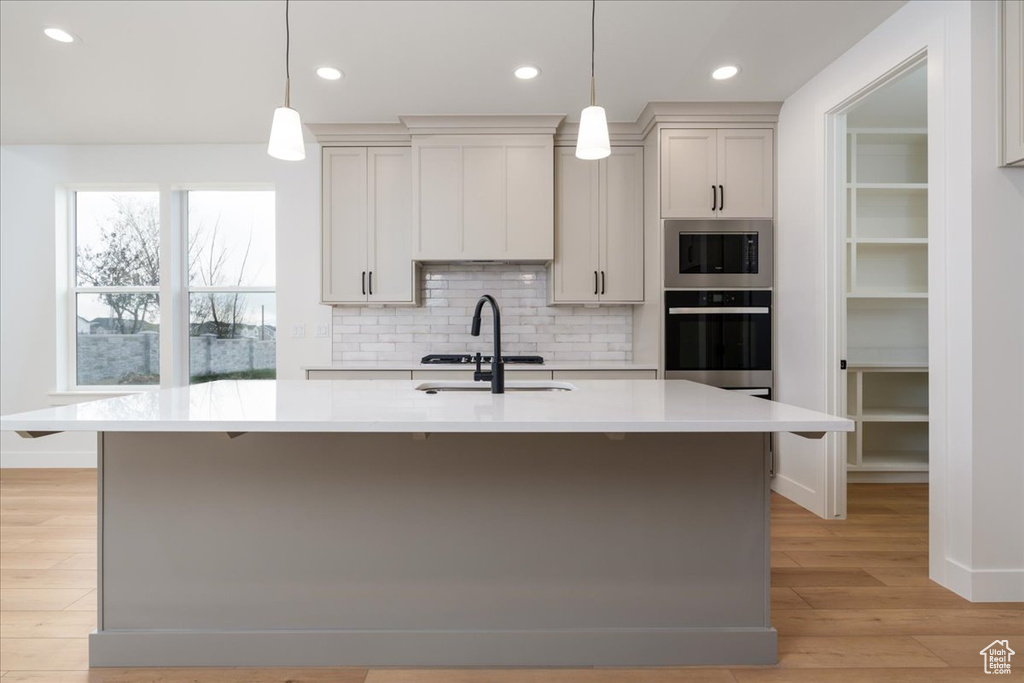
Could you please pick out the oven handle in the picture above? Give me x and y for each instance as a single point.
(722, 310)
(751, 392)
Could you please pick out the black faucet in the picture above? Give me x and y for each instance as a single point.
(497, 374)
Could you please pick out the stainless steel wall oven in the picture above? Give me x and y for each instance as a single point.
(719, 337)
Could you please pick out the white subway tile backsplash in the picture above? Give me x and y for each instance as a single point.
(441, 325)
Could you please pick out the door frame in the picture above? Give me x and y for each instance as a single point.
(835, 277)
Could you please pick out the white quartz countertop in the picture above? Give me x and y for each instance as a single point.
(547, 365)
(609, 406)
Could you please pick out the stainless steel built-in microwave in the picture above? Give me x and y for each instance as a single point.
(718, 253)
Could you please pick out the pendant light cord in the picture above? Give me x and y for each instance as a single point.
(287, 54)
(593, 24)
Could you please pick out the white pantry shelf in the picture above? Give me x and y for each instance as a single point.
(894, 414)
(888, 366)
(887, 240)
(885, 294)
(887, 461)
(887, 301)
(887, 186)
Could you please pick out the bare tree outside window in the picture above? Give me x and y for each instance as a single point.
(116, 286)
(232, 312)
(217, 313)
(129, 255)
(117, 275)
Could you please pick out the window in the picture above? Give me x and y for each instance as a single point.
(216, 288)
(232, 312)
(116, 288)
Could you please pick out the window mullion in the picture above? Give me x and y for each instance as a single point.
(174, 340)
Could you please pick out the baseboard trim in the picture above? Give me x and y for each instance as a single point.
(860, 477)
(563, 647)
(997, 585)
(956, 577)
(47, 459)
(796, 492)
(984, 585)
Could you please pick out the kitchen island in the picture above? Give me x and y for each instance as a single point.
(296, 523)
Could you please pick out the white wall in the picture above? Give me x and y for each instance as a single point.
(975, 430)
(30, 176)
(997, 249)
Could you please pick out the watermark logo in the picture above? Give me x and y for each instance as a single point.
(997, 657)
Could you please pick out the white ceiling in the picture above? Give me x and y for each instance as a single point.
(900, 104)
(213, 71)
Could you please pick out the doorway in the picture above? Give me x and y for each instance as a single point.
(880, 213)
(885, 274)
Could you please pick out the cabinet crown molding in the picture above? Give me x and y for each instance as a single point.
(713, 114)
(401, 134)
(716, 113)
(485, 124)
(360, 134)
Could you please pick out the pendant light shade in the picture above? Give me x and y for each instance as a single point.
(286, 136)
(592, 140)
(286, 129)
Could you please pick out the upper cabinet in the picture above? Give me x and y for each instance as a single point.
(482, 197)
(599, 231)
(1012, 44)
(717, 173)
(367, 226)
(689, 176)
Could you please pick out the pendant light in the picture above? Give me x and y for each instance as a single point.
(592, 139)
(286, 130)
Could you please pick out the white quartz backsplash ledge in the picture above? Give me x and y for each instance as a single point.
(441, 324)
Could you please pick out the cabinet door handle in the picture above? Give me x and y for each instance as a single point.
(714, 197)
(371, 283)
(595, 283)
(721, 198)
(364, 283)
(602, 283)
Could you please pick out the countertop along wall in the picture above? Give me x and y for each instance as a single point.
(30, 176)
(441, 323)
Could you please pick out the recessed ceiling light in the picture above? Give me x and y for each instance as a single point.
(329, 73)
(59, 35)
(526, 72)
(724, 72)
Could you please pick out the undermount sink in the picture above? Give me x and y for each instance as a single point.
(436, 387)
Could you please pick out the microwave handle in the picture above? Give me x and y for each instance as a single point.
(723, 310)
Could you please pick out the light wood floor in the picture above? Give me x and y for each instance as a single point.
(851, 601)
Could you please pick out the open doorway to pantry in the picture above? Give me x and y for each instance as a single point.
(885, 326)
(878, 227)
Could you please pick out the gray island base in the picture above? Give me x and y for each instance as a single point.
(459, 549)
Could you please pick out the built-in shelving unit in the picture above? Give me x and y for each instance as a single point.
(889, 405)
(887, 303)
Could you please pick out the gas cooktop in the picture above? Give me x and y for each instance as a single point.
(465, 358)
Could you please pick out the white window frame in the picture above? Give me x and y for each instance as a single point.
(173, 291)
(189, 288)
(69, 289)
